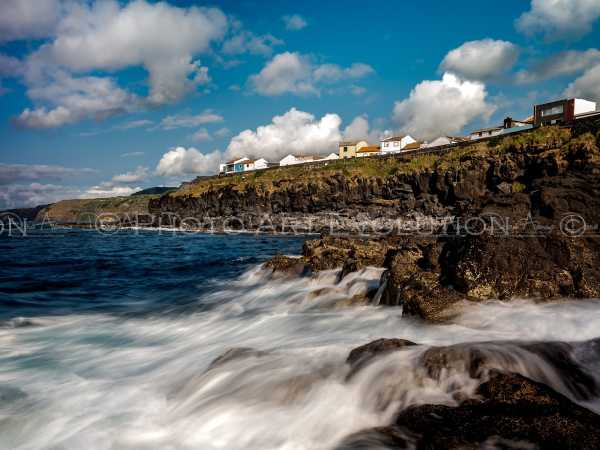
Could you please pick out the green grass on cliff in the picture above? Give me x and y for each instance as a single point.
(267, 180)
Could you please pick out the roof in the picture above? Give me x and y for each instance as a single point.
(458, 138)
(342, 143)
(369, 149)
(394, 138)
(482, 130)
(412, 146)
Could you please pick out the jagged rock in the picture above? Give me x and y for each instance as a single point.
(512, 408)
(365, 354)
(287, 265)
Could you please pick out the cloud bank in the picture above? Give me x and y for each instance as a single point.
(441, 107)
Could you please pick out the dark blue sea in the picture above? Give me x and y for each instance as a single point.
(108, 342)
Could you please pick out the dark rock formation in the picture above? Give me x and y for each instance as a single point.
(507, 410)
(512, 408)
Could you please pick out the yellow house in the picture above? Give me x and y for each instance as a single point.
(348, 149)
(369, 150)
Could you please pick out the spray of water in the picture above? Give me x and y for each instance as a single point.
(110, 382)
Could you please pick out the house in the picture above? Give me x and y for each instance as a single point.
(262, 163)
(446, 140)
(243, 165)
(486, 132)
(348, 149)
(230, 166)
(561, 111)
(395, 144)
(412, 146)
(370, 150)
(290, 160)
(330, 157)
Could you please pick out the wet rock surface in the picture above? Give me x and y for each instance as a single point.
(506, 410)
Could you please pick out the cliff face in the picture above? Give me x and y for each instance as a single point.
(545, 172)
(525, 225)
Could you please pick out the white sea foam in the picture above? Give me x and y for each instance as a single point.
(108, 382)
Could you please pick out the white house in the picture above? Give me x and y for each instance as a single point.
(445, 140)
(395, 144)
(290, 160)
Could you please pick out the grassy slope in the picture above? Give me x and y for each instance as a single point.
(378, 166)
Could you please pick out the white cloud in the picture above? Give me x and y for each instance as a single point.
(139, 174)
(108, 36)
(296, 74)
(108, 190)
(201, 135)
(441, 107)
(22, 19)
(223, 132)
(559, 18)
(34, 194)
(333, 72)
(285, 73)
(75, 99)
(294, 132)
(481, 60)
(358, 90)
(247, 42)
(560, 64)
(359, 129)
(134, 124)
(181, 161)
(130, 154)
(586, 86)
(189, 121)
(11, 173)
(294, 22)
(160, 37)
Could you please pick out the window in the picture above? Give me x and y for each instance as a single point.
(386, 144)
(551, 111)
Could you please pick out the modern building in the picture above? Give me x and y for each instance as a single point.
(395, 144)
(561, 111)
(370, 150)
(348, 149)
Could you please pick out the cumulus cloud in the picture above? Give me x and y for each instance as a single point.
(73, 99)
(557, 19)
(109, 36)
(441, 107)
(587, 85)
(481, 60)
(296, 132)
(561, 64)
(23, 19)
(139, 174)
(294, 22)
(296, 74)
(189, 121)
(188, 161)
(360, 129)
(247, 42)
(285, 73)
(12, 173)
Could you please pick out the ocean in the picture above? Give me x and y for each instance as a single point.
(108, 341)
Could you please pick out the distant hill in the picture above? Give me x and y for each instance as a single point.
(155, 191)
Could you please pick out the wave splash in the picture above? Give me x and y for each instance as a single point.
(107, 382)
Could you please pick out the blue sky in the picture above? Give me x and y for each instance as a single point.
(101, 98)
